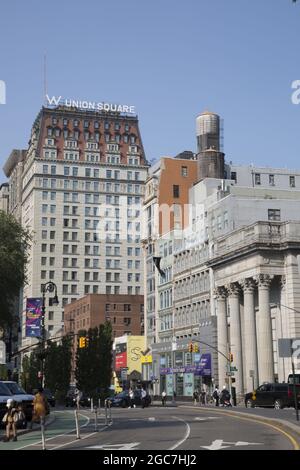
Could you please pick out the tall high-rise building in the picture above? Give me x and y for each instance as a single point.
(82, 188)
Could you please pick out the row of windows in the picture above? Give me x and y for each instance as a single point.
(191, 315)
(165, 249)
(86, 124)
(88, 237)
(187, 259)
(257, 180)
(91, 173)
(109, 137)
(95, 250)
(95, 290)
(192, 285)
(167, 277)
(91, 157)
(165, 299)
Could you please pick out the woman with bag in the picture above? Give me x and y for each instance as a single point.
(10, 420)
(40, 407)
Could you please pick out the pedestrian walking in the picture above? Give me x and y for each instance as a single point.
(203, 397)
(225, 397)
(78, 396)
(40, 407)
(131, 399)
(195, 397)
(216, 395)
(163, 398)
(10, 420)
(143, 397)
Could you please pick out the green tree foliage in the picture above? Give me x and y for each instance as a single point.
(58, 362)
(14, 253)
(29, 374)
(94, 363)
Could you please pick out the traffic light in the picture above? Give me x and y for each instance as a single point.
(82, 342)
(191, 347)
(196, 348)
(231, 357)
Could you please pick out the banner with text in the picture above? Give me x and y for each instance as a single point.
(33, 316)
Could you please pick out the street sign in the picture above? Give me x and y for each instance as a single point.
(251, 373)
(288, 347)
(233, 369)
(229, 374)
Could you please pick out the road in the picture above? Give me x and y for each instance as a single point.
(157, 428)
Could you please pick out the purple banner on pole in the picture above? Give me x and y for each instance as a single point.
(33, 316)
(203, 367)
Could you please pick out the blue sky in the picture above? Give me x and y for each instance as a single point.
(170, 58)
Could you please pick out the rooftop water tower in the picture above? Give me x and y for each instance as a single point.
(210, 158)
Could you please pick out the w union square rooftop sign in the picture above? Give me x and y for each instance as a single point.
(54, 101)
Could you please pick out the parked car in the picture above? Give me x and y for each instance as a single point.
(5, 394)
(71, 398)
(50, 397)
(20, 396)
(122, 399)
(273, 395)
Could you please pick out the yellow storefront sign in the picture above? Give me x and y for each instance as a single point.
(146, 359)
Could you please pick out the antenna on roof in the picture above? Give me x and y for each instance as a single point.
(45, 78)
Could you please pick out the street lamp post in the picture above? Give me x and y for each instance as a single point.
(47, 287)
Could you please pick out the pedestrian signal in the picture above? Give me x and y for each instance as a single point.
(82, 342)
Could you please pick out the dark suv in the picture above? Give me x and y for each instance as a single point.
(273, 395)
(122, 399)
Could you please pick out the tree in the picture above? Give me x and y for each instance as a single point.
(58, 366)
(29, 374)
(14, 254)
(94, 362)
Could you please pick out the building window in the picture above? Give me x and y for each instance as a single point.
(233, 176)
(273, 214)
(271, 180)
(257, 178)
(184, 171)
(175, 190)
(292, 182)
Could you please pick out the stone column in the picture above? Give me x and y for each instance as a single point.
(250, 347)
(264, 331)
(235, 337)
(222, 334)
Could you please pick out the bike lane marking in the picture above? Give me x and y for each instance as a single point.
(51, 431)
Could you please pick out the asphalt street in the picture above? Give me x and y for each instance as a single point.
(156, 428)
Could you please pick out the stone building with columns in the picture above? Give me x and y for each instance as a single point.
(257, 290)
(235, 275)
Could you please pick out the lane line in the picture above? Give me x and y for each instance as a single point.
(77, 440)
(187, 433)
(58, 435)
(260, 421)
